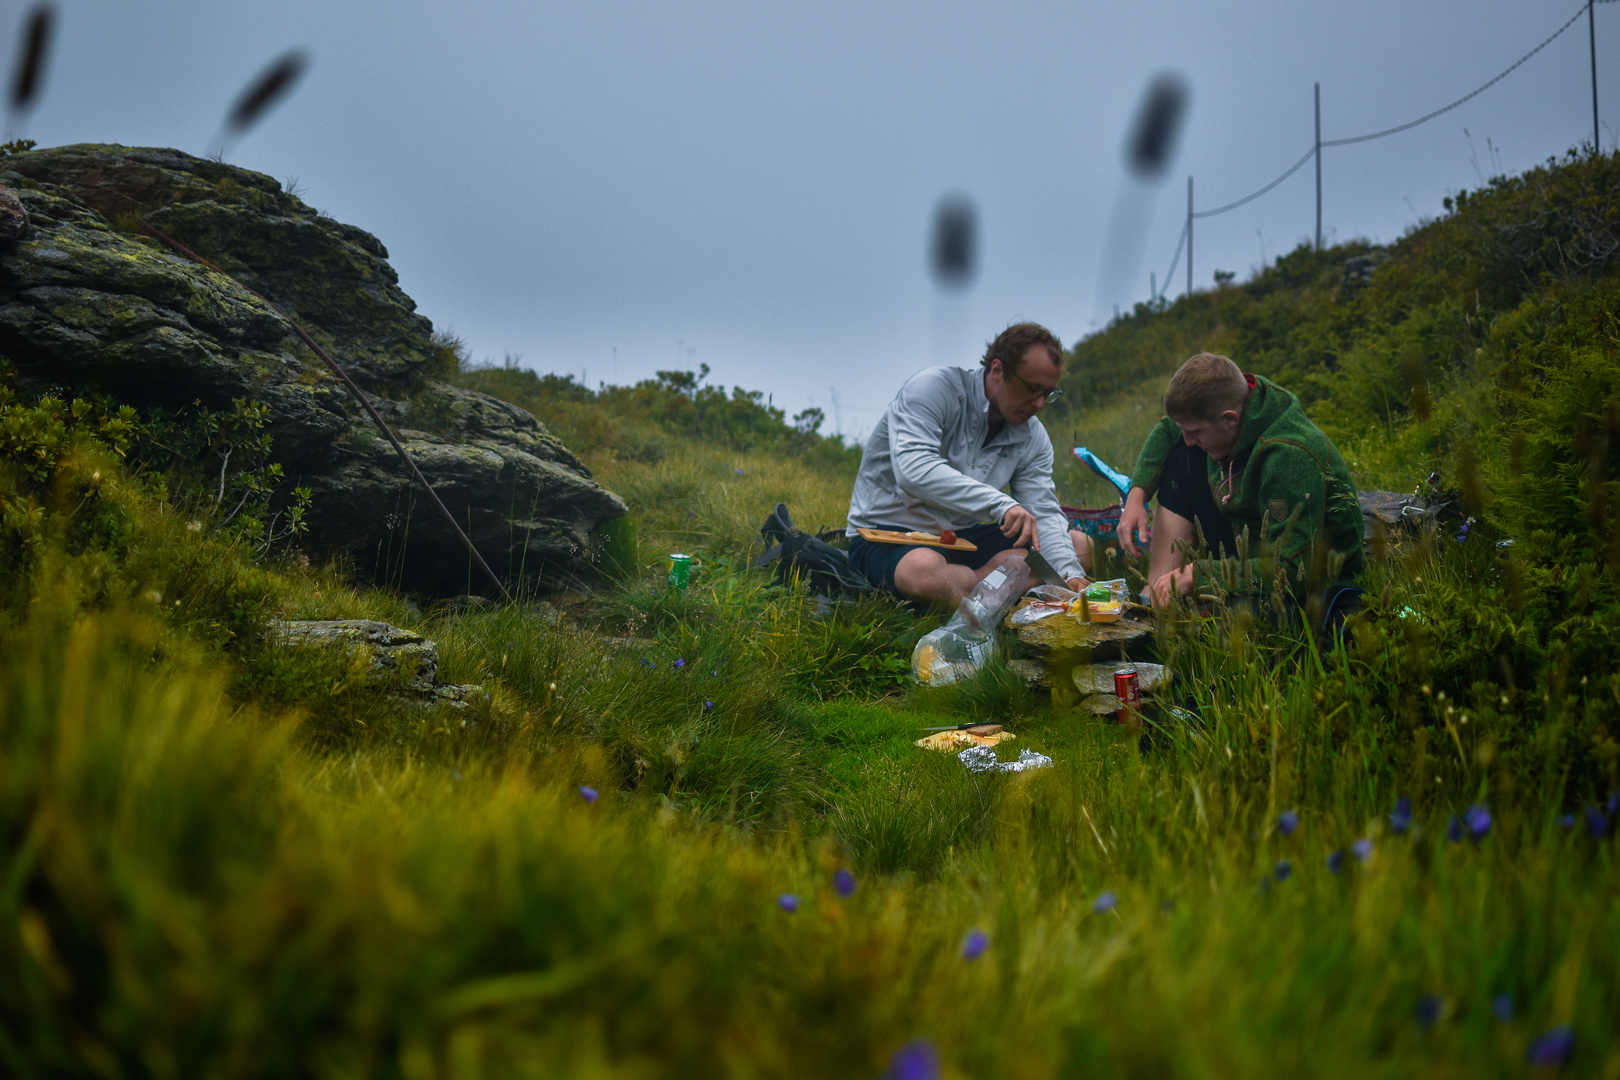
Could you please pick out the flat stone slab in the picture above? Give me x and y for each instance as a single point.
(1059, 632)
(1095, 682)
(1099, 678)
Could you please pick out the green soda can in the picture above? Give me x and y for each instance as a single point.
(680, 571)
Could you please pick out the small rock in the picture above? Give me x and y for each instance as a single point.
(1101, 704)
(1032, 672)
(393, 652)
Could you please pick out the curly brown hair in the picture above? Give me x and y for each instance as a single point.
(1012, 343)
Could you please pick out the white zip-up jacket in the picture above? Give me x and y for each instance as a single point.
(928, 467)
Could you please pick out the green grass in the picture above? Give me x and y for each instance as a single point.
(196, 889)
(221, 858)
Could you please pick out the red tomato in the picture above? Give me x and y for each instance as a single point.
(947, 537)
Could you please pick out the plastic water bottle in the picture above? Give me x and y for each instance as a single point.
(999, 591)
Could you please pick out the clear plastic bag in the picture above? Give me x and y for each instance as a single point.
(963, 645)
(1055, 593)
(954, 651)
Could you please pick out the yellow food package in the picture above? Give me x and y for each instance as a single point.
(1097, 611)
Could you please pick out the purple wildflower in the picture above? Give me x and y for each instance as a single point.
(1597, 823)
(1335, 860)
(1105, 902)
(917, 1060)
(1287, 822)
(1454, 829)
(1614, 802)
(788, 902)
(1502, 1006)
(680, 663)
(974, 945)
(1362, 849)
(708, 704)
(1553, 1048)
(1566, 821)
(1400, 819)
(739, 472)
(844, 882)
(1478, 820)
(1429, 1010)
(588, 793)
(1284, 869)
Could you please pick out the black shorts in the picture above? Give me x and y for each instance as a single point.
(1184, 490)
(876, 562)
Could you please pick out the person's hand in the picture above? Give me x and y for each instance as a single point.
(1078, 584)
(1018, 525)
(1132, 520)
(1180, 581)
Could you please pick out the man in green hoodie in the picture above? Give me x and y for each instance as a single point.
(1236, 456)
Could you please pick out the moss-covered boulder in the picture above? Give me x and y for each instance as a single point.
(88, 303)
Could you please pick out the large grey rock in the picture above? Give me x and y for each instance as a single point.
(87, 302)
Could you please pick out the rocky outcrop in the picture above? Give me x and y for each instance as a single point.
(397, 661)
(88, 302)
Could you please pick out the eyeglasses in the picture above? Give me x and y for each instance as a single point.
(1035, 391)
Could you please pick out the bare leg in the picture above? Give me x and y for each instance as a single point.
(1163, 556)
(1082, 551)
(923, 574)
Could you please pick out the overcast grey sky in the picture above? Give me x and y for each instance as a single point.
(614, 188)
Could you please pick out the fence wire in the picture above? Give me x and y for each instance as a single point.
(1296, 166)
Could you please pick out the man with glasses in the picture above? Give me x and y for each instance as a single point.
(947, 446)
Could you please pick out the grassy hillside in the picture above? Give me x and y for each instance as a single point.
(222, 857)
(1486, 336)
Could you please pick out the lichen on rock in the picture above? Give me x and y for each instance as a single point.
(89, 303)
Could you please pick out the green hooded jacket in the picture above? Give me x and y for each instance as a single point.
(1285, 474)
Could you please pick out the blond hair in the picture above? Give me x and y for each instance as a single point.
(1204, 387)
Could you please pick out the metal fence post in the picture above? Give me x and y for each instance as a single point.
(1318, 166)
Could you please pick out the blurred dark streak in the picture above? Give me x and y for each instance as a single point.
(264, 92)
(36, 42)
(1150, 148)
(955, 242)
(1157, 129)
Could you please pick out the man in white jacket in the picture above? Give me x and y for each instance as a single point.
(947, 445)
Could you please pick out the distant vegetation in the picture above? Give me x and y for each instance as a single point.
(226, 857)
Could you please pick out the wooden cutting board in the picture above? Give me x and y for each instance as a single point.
(889, 536)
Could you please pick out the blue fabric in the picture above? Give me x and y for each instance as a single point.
(1104, 470)
(876, 562)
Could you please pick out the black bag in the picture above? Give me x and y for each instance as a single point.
(803, 557)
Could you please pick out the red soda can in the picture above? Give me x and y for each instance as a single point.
(1129, 692)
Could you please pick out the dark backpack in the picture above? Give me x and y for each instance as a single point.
(802, 557)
